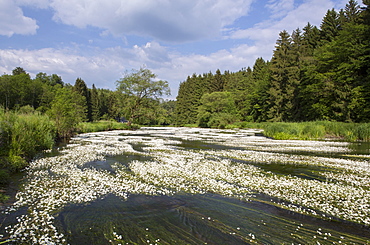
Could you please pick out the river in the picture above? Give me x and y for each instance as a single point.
(193, 186)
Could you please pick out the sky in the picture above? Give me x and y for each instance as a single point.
(101, 41)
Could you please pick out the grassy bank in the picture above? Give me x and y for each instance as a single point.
(312, 130)
(26, 133)
(88, 127)
(22, 136)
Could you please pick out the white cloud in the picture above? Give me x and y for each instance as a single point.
(13, 21)
(171, 21)
(279, 8)
(105, 66)
(265, 33)
(100, 69)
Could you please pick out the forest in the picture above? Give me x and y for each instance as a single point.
(317, 73)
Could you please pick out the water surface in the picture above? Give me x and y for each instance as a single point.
(194, 186)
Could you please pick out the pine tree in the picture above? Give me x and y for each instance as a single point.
(217, 85)
(260, 96)
(310, 41)
(81, 88)
(352, 11)
(284, 80)
(330, 26)
(95, 104)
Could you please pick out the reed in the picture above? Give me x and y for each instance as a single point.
(316, 130)
(22, 136)
(104, 125)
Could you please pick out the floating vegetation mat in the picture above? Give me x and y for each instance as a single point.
(193, 186)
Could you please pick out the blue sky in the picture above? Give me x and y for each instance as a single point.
(100, 40)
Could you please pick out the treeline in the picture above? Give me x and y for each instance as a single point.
(68, 105)
(314, 74)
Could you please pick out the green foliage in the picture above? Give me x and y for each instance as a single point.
(23, 136)
(217, 110)
(81, 88)
(316, 130)
(88, 127)
(141, 92)
(314, 74)
(67, 111)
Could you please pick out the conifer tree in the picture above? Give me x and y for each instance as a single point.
(81, 88)
(352, 11)
(95, 104)
(260, 97)
(330, 26)
(217, 85)
(284, 80)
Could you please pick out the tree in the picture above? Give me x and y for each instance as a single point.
(18, 71)
(311, 39)
(95, 104)
(260, 96)
(217, 110)
(140, 86)
(67, 111)
(352, 11)
(16, 91)
(284, 80)
(81, 88)
(330, 26)
(217, 85)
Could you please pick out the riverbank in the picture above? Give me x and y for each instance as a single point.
(104, 125)
(317, 130)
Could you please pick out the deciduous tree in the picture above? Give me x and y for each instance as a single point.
(140, 86)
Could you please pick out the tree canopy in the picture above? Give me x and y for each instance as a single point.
(141, 90)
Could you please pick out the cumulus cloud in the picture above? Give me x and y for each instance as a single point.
(291, 17)
(105, 66)
(165, 20)
(309, 11)
(99, 69)
(13, 21)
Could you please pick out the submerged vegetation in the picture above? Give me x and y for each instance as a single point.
(167, 162)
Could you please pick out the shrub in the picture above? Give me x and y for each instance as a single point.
(22, 136)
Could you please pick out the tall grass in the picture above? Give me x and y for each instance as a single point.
(313, 130)
(87, 127)
(22, 136)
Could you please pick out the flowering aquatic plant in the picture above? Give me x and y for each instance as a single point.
(241, 166)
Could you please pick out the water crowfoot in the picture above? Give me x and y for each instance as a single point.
(230, 164)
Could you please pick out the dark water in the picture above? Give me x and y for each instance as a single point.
(124, 159)
(360, 148)
(198, 219)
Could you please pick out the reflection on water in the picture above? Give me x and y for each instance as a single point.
(197, 219)
(111, 161)
(360, 148)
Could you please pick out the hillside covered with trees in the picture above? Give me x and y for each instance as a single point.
(317, 73)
